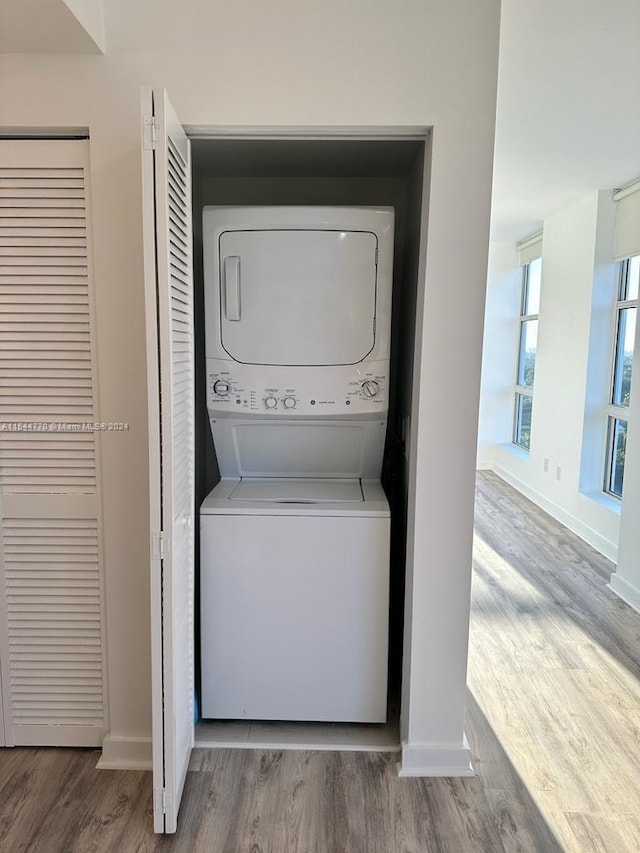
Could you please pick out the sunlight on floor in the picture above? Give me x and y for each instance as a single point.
(561, 700)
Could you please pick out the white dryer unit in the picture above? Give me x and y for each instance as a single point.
(295, 538)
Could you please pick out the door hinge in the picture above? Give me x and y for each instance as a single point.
(149, 133)
(159, 545)
(160, 800)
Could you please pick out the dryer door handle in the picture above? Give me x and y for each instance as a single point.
(232, 287)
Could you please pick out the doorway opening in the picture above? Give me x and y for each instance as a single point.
(322, 171)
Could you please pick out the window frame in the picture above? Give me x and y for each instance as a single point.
(615, 412)
(523, 391)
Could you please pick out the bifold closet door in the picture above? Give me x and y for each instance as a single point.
(51, 602)
(170, 351)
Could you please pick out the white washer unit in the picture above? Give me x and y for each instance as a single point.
(295, 538)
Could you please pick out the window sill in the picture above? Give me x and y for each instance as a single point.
(517, 451)
(614, 506)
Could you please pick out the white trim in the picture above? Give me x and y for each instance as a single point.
(624, 590)
(615, 411)
(411, 451)
(612, 414)
(122, 752)
(627, 232)
(423, 759)
(619, 194)
(98, 438)
(421, 133)
(526, 258)
(529, 252)
(374, 133)
(45, 133)
(529, 241)
(604, 546)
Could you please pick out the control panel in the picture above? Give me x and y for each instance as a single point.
(265, 390)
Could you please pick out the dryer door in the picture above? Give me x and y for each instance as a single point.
(298, 297)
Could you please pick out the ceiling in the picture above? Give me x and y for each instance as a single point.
(568, 116)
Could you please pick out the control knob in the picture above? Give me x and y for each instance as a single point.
(289, 402)
(270, 402)
(221, 388)
(370, 388)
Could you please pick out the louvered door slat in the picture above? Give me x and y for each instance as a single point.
(178, 249)
(43, 235)
(31, 389)
(28, 184)
(41, 249)
(176, 238)
(49, 404)
(180, 299)
(63, 453)
(40, 368)
(40, 207)
(52, 664)
(16, 190)
(45, 218)
(37, 173)
(43, 282)
(20, 264)
(48, 292)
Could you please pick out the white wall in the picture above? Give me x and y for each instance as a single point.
(415, 62)
(578, 291)
(51, 26)
(500, 342)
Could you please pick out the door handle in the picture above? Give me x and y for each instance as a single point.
(232, 287)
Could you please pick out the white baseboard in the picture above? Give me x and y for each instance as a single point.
(607, 548)
(625, 591)
(429, 760)
(484, 465)
(121, 752)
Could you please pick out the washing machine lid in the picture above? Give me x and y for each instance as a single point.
(298, 297)
(274, 490)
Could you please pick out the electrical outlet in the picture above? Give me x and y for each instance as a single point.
(546, 466)
(558, 473)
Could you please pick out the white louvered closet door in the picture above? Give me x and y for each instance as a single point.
(51, 606)
(169, 303)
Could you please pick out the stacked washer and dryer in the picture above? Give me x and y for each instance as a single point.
(294, 541)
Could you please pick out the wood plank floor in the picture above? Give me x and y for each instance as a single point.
(554, 724)
(554, 672)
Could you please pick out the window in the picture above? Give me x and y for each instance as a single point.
(622, 364)
(527, 346)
